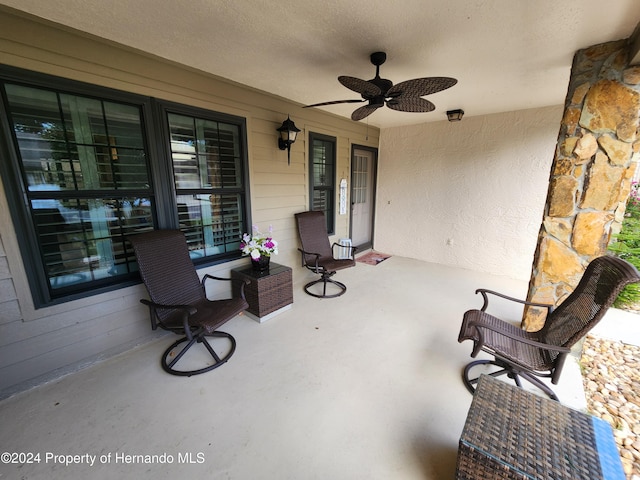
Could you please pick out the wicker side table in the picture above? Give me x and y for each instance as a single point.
(514, 434)
(267, 293)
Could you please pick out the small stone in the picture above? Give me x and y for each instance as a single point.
(608, 418)
(627, 466)
(612, 386)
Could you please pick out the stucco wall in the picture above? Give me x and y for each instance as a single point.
(468, 194)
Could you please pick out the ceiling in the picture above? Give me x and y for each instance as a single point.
(506, 54)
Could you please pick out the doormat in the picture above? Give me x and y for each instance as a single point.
(373, 258)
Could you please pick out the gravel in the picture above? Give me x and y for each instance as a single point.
(611, 376)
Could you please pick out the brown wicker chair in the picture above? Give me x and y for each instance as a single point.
(178, 299)
(317, 254)
(528, 355)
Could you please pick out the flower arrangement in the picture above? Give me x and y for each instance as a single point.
(258, 244)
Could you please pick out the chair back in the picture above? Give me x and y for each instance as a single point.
(603, 280)
(166, 269)
(312, 229)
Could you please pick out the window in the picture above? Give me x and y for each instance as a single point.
(85, 174)
(322, 175)
(207, 170)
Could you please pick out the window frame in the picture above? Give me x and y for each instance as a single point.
(162, 193)
(163, 109)
(331, 189)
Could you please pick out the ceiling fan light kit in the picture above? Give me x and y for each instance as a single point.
(404, 97)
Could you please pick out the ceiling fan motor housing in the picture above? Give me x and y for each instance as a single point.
(382, 83)
(377, 101)
(404, 97)
(378, 58)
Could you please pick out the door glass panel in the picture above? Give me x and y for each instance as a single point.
(360, 177)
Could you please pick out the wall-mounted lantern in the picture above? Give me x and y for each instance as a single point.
(288, 132)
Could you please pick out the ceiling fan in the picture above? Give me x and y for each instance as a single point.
(404, 96)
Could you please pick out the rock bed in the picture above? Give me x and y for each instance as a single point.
(611, 376)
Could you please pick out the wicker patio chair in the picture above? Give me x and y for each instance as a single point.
(317, 254)
(528, 355)
(178, 302)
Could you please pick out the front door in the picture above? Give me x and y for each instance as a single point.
(363, 169)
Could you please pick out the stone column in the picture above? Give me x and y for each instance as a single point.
(591, 174)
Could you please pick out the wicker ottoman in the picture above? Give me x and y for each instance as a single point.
(513, 434)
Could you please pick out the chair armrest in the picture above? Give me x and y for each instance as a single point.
(213, 277)
(316, 267)
(352, 249)
(187, 308)
(485, 304)
(500, 331)
(187, 311)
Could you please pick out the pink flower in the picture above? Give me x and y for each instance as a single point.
(258, 244)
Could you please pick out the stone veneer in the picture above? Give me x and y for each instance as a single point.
(591, 174)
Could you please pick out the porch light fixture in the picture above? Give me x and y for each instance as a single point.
(288, 132)
(455, 115)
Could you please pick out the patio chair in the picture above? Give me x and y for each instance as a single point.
(528, 355)
(178, 302)
(317, 254)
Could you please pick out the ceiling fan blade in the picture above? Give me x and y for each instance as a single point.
(363, 87)
(363, 112)
(334, 102)
(421, 86)
(410, 104)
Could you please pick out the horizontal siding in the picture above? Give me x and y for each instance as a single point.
(77, 352)
(10, 311)
(71, 320)
(39, 344)
(58, 342)
(9, 305)
(7, 290)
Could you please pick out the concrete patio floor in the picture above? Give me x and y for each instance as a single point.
(364, 386)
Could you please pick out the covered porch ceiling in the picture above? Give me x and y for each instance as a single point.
(506, 55)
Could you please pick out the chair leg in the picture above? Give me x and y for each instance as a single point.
(471, 382)
(538, 383)
(325, 279)
(509, 371)
(168, 366)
